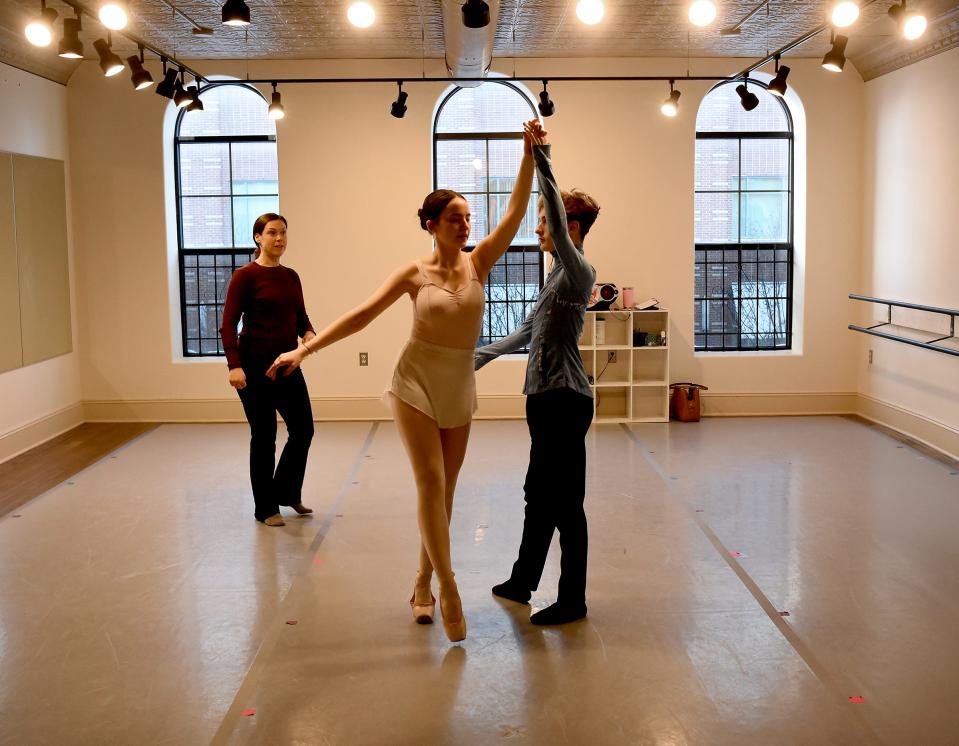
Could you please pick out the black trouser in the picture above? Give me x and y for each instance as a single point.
(262, 399)
(555, 490)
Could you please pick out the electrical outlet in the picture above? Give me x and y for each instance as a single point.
(364, 358)
(612, 356)
(870, 357)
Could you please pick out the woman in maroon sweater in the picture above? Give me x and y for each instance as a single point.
(269, 299)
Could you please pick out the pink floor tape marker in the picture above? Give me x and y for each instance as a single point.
(857, 700)
(291, 622)
(248, 713)
(735, 554)
(317, 561)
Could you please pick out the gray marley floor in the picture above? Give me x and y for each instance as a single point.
(747, 578)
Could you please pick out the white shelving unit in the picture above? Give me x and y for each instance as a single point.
(630, 381)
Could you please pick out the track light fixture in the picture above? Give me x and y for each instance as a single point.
(113, 15)
(702, 12)
(670, 106)
(361, 14)
(747, 98)
(844, 13)
(39, 31)
(546, 107)
(398, 108)
(139, 75)
(777, 86)
(912, 24)
(167, 86)
(236, 13)
(180, 97)
(835, 58)
(71, 47)
(475, 14)
(109, 62)
(590, 12)
(194, 93)
(276, 105)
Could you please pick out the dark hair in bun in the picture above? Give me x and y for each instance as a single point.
(434, 204)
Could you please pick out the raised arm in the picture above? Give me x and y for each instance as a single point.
(491, 248)
(575, 264)
(520, 337)
(401, 281)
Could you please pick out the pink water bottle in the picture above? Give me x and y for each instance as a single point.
(628, 298)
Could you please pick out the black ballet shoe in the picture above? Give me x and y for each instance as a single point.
(511, 592)
(558, 614)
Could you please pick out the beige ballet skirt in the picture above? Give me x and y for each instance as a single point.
(438, 381)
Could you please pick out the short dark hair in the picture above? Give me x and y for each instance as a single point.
(434, 204)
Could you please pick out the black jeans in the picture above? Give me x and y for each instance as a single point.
(555, 490)
(262, 399)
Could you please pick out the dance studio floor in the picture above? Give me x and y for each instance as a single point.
(752, 581)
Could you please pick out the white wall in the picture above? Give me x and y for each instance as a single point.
(910, 249)
(351, 179)
(40, 400)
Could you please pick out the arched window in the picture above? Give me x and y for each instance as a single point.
(226, 177)
(743, 222)
(477, 149)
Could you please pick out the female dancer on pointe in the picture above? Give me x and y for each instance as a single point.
(269, 298)
(433, 394)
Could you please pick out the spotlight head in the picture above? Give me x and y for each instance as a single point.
(71, 47)
(670, 106)
(835, 58)
(361, 14)
(912, 25)
(109, 62)
(777, 86)
(747, 98)
(195, 103)
(276, 105)
(141, 77)
(236, 13)
(398, 108)
(844, 13)
(590, 12)
(113, 15)
(167, 86)
(702, 12)
(546, 107)
(475, 14)
(180, 97)
(39, 31)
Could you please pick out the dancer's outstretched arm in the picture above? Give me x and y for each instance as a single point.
(401, 281)
(520, 338)
(490, 249)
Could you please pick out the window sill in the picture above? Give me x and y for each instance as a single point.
(746, 353)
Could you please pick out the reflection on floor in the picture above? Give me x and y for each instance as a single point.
(752, 581)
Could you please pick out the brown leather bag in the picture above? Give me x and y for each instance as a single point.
(684, 401)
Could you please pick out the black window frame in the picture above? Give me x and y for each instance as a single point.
(515, 249)
(704, 249)
(239, 256)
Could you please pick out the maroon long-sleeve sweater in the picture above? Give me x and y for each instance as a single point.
(270, 301)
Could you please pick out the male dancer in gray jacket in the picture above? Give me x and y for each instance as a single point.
(559, 403)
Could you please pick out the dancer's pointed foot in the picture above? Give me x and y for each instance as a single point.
(452, 609)
(423, 610)
(302, 509)
(274, 520)
(559, 614)
(511, 592)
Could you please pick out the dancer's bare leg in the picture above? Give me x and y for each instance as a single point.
(454, 441)
(424, 446)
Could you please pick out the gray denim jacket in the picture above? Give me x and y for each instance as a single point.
(553, 328)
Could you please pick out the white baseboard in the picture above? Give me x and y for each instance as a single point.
(40, 431)
(931, 433)
(777, 404)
